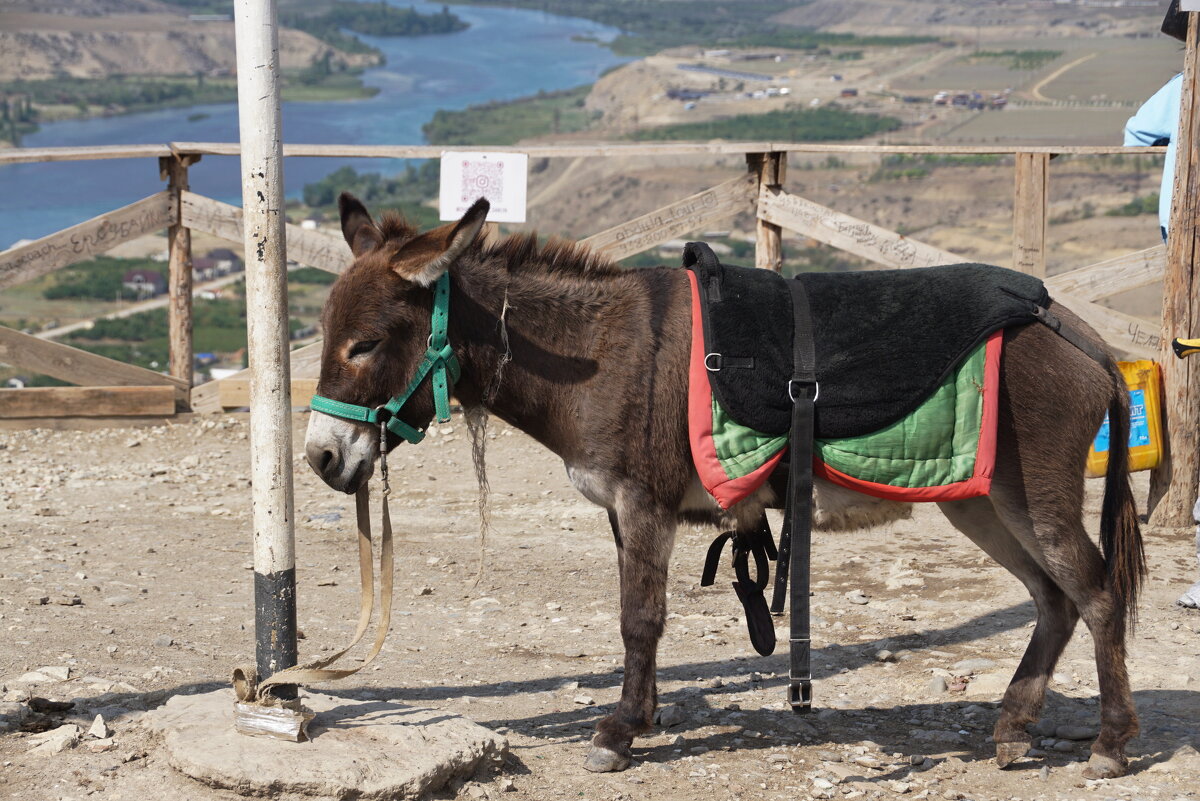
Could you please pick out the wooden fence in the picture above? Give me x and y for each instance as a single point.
(108, 388)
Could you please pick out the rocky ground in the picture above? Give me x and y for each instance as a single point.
(125, 579)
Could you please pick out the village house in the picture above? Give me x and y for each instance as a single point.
(144, 283)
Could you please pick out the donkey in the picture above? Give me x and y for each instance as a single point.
(592, 361)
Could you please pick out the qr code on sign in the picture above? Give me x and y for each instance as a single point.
(482, 179)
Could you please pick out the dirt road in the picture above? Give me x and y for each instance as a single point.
(149, 530)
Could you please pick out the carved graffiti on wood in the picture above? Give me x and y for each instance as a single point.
(848, 233)
(87, 239)
(685, 216)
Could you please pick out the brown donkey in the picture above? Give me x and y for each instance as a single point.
(592, 361)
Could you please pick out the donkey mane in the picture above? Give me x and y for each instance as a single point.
(396, 229)
(522, 252)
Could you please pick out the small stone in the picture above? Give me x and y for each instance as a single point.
(68, 600)
(885, 656)
(857, 597)
(937, 685)
(554, 607)
(507, 786)
(901, 787)
(715, 684)
(55, 741)
(484, 603)
(1075, 733)
(99, 728)
(426, 590)
(829, 756)
(916, 759)
(56, 672)
(164, 641)
(669, 716)
(100, 746)
(678, 740)
(1044, 773)
(119, 600)
(1064, 746)
(584, 700)
(967, 666)
(778, 758)
(822, 784)
(569, 685)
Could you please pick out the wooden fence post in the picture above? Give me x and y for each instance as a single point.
(1029, 213)
(771, 169)
(259, 124)
(179, 248)
(1173, 484)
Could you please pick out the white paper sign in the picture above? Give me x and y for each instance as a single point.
(1189, 5)
(499, 177)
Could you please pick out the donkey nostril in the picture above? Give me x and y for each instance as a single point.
(321, 459)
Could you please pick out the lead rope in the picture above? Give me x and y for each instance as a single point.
(245, 679)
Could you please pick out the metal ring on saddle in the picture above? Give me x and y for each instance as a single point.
(712, 358)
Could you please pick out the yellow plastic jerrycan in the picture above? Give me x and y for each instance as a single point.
(1144, 379)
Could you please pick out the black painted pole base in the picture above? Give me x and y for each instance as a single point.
(275, 627)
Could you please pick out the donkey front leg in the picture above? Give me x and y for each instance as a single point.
(645, 536)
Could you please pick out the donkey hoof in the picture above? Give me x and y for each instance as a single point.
(1103, 767)
(1008, 753)
(602, 760)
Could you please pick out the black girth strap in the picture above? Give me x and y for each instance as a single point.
(758, 543)
(803, 391)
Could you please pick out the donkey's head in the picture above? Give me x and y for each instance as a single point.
(377, 326)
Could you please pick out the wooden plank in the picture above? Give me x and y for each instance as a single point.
(769, 169)
(306, 363)
(87, 239)
(235, 392)
(1173, 482)
(77, 366)
(86, 401)
(1132, 335)
(313, 248)
(848, 233)
(1113, 276)
(681, 217)
(18, 155)
(601, 149)
(1029, 213)
(94, 423)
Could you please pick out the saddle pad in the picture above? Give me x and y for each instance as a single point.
(884, 339)
(942, 450)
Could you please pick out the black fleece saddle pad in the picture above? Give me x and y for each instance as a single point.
(885, 339)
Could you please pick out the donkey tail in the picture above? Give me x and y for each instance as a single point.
(1120, 533)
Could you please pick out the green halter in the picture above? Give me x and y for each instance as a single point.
(439, 361)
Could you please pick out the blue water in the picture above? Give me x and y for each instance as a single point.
(506, 53)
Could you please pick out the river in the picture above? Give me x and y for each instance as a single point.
(506, 53)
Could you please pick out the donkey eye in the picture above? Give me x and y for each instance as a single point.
(366, 346)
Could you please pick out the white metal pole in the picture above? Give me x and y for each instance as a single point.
(267, 331)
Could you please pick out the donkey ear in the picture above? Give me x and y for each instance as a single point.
(362, 235)
(424, 259)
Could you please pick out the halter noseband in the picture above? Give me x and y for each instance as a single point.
(439, 362)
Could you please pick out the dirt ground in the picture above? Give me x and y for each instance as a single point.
(149, 529)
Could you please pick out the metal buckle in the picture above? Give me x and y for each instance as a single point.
(793, 384)
(800, 695)
(719, 360)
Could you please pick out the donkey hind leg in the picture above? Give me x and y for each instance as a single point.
(645, 536)
(1056, 619)
(1057, 539)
